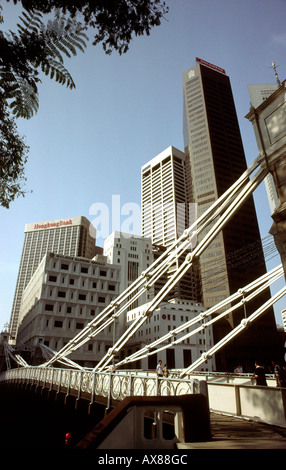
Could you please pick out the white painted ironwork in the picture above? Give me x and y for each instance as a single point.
(259, 285)
(216, 217)
(10, 353)
(112, 386)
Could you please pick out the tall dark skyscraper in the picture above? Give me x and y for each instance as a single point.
(215, 159)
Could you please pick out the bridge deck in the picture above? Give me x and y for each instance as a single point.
(236, 433)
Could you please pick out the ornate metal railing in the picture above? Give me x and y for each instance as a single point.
(90, 384)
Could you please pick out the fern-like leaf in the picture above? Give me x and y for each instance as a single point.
(22, 95)
(25, 101)
(32, 22)
(40, 46)
(64, 34)
(57, 70)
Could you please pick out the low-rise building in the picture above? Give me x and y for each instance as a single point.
(167, 317)
(63, 296)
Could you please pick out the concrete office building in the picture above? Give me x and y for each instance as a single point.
(64, 294)
(134, 254)
(70, 236)
(166, 212)
(215, 160)
(168, 316)
(164, 196)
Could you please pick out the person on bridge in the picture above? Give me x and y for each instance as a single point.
(259, 375)
(280, 374)
(159, 369)
(165, 371)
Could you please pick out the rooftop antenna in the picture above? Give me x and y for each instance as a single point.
(276, 74)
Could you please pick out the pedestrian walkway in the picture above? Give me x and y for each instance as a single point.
(237, 433)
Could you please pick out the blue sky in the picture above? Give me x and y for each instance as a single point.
(88, 145)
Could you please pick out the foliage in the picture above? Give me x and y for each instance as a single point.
(13, 157)
(114, 20)
(40, 45)
(36, 47)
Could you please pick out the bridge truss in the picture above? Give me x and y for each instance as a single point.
(212, 221)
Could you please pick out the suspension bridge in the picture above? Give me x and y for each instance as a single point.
(101, 385)
(215, 218)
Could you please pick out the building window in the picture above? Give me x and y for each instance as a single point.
(53, 278)
(79, 326)
(81, 297)
(49, 307)
(101, 299)
(65, 266)
(61, 294)
(58, 324)
(102, 273)
(84, 270)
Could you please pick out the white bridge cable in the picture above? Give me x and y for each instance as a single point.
(235, 332)
(253, 253)
(48, 352)
(75, 343)
(10, 353)
(7, 357)
(260, 285)
(21, 361)
(233, 207)
(155, 271)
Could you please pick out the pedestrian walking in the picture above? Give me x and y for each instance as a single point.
(280, 374)
(159, 369)
(259, 375)
(165, 371)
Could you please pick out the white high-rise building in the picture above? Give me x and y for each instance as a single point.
(134, 254)
(164, 197)
(166, 211)
(70, 237)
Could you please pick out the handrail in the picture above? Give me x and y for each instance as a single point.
(237, 395)
(111, 386)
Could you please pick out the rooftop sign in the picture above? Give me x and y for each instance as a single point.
(53, 224)
(211, 66)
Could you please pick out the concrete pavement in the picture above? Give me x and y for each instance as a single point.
(238, 433)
